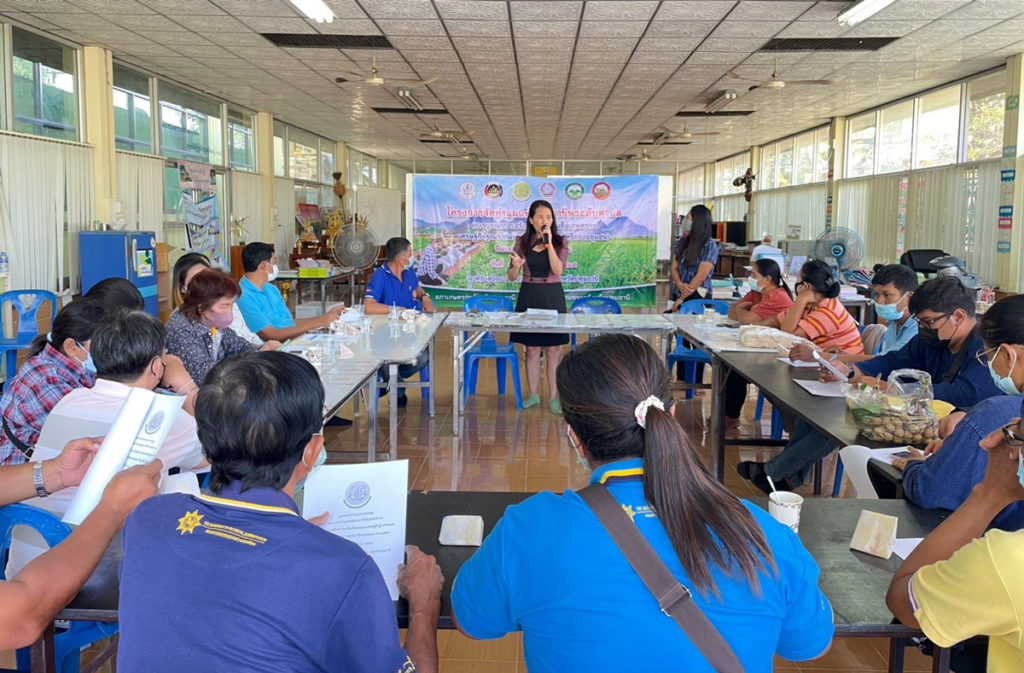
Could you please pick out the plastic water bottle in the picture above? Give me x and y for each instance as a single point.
(5, 265)
(393, 315)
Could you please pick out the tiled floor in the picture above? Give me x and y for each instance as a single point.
(502, 449)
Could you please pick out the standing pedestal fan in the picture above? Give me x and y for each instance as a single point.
(841, 248)
(355, 250)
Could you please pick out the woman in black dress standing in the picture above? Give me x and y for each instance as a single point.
(540, 253)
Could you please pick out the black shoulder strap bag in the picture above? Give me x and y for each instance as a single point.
(18, 444)
(673, 598)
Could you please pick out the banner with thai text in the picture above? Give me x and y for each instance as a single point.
(464, 227)
(202, 209)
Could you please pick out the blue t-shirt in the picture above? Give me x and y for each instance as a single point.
(946, 478)
(971, 385)
(240, 582)
(551, 570)
(263, 308)
(386, 288)
(897, 337)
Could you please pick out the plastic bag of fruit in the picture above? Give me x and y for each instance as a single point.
(899, 412)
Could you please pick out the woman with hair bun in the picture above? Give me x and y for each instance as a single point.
(817, 314)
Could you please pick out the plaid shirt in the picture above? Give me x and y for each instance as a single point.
(28, 398)
(428, 263)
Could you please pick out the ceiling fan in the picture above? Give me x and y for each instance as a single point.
(376, 80)
(456, 137)
(643, 156)
(776, 81)
(666, 134)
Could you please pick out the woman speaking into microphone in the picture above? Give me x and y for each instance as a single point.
(540, 255)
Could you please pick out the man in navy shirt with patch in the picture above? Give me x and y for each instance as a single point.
(395, 283)
(237, 580)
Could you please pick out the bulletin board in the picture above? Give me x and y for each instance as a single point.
(382, 208)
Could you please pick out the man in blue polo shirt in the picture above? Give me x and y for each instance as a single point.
(261, 303)
(237, 580)
(395, 283)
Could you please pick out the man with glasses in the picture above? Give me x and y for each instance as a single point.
(962, 582)
(946, 346)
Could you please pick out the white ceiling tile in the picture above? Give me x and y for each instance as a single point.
(464, 28)
(692, 10)
(411, 27)
(919, 9)
(606, 44)
(437, 55)
(749, 29)
(477, 10)
(178, 37)
(715, 57)
(399, 9)
(245, 8)
(766, 10)
(619, 10)
(544, 28)
(885, 28)
(659, 57)
(542, 10)
(487, 56)
(632, 29)
(36, 21)
(44, 6)
(984, 9)
(346, 27)
(480, 43)
(674, 28)
(733, 44)
(212, 24)
(822, 29)
(543, 44)
(119, 6)
(669, 44)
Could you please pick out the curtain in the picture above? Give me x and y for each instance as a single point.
(284, 227)
(956, 208)
(140, 189)
(775, 210)
(247, 202)
(46, 198)
(732, 208)
(870, 207)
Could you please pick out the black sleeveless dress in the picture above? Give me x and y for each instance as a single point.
(540, 295)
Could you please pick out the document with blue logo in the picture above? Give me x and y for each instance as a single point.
(367, 505)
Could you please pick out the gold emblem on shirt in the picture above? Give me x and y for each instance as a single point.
(628, 509)
(189, 522)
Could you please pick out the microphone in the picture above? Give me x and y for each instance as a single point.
(547, 237)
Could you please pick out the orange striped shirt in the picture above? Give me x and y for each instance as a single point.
(829, 325)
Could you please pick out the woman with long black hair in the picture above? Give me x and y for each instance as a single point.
(540, 255)
(695, 258)
(551, 570)
(768, 296)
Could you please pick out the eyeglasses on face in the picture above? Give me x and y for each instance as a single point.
(984, 357)
(931, 323)
(1011, 435)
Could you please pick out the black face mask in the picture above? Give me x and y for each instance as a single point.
(930, 337)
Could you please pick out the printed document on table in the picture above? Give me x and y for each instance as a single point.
(137, 433)
(798, 363)
(821, 388)
(367, 505)
(855, 461)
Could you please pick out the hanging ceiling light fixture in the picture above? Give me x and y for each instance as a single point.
(315, 9)
(862, 11)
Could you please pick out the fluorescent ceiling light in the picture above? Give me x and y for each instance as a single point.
(315, 9)
(727, 97)
(862, 11)
(409, 99)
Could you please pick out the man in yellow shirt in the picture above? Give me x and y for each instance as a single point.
(961, 582)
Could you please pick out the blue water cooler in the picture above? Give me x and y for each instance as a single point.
(121, 254)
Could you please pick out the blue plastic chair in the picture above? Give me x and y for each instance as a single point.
(67, 644)
(489, 349)
(26, 303)
(689, 356)
(594, 306)
(776, 417)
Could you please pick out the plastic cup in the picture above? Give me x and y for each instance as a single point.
(315, 355)
(364, 325)
(784, 507)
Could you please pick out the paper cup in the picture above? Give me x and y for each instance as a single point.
(785, 507)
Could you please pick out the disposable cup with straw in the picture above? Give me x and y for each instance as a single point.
(785, 506)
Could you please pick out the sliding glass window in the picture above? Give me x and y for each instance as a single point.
(133, 112)
(45, 86)
(190, 126)
(938, 122)
(986, 103)
(242, 139)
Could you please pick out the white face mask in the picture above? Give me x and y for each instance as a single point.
(752, 284)
(273, 274)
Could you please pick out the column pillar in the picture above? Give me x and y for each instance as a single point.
(1010, 239)
(98, 97)
(265, 166)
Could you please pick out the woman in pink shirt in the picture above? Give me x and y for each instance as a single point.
(769, 298)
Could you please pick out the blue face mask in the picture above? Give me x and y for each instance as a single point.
(89, 365)
(1004, 383)
(320, 460)
(890, 312)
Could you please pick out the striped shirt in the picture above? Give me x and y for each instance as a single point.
(829, 325)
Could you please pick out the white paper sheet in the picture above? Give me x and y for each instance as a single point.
(367, 504)
(820, 388)
(798, 363)
(855, 466)
(904, 546)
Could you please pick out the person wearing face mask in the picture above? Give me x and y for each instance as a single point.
(279, 592)
(261, 302)
(943, 475)
(964, 580)
(199, 332)
(58, 363)
(946, 346)
(768, 298)
(185, 269)
(128, 348)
